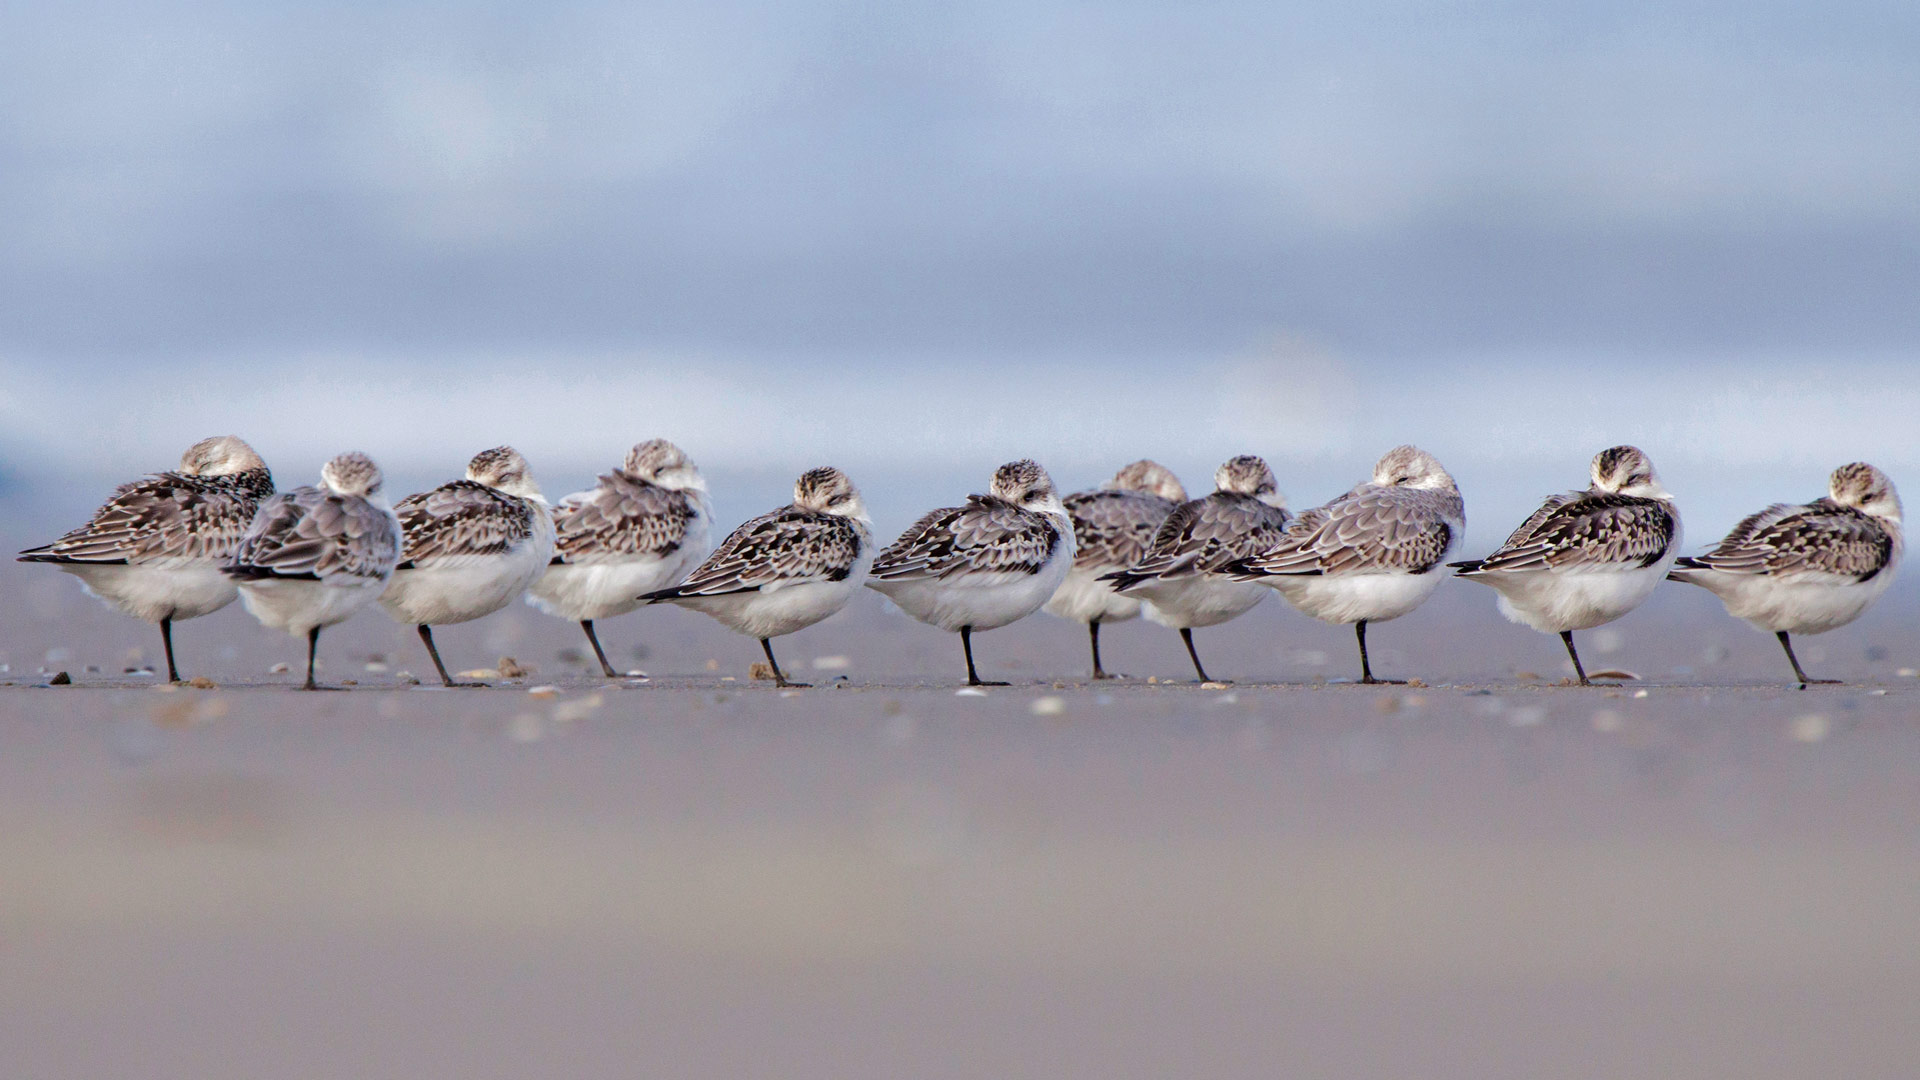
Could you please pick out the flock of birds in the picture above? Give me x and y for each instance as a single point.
(180, 544)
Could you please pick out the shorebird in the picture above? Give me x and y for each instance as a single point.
(1586, 557)
(786, 570)
(315, 555)
(1245, 515)
(643, 527)
(1112, 529)
(1807, 569)
(154, 550)
(983, 565)
(1369, 555)
(470, 547)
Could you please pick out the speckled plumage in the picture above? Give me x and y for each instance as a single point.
(622, 517)
(1810, 568)
(789, 546)
(156, 548)
(472, 546)
(991, 562)
(316, 555)
(165, 516)
(1821, 537)
(786, 570)
(462, 519)
(1587, 528)
(988, 535)
(1178, 573)
(1368, 530)
(1585, 558)
(1369, 555)
(315, 534)
(1205, 535)
(1113, 530)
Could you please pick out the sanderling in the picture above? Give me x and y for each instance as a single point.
(315, 555)
(156, 548)
(1586, 557)
(1369, 555)
(1112, 529)
(471, 547)
(985, 564)
(1245, 515)
(641, 528)
(1807, 569)
(786, 570)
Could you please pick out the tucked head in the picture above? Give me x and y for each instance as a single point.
(1625, 470)
(1248, 475)
(1866, 489)
(222, 455)
(1412, 467)
(827, 490)
(1148, 477)
(503, 468)
(658, 461)
(1025, 484)
(352, 473)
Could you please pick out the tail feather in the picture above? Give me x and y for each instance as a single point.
(48, 555)
(249, 572)
(1467, 566)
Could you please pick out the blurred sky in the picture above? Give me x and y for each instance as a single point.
(920, 240)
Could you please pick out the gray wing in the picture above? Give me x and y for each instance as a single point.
(1208, 534)
(1368, 530)
(787, 547)
(621, 516)
(164, 516)
(1113, 530)
(987, 535)
(459, 519)
(1822, 537)
(1585, 529)
(309, 533)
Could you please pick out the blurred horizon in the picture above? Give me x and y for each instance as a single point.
(917, 242)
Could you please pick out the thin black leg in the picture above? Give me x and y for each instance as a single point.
(1567, 636)
(166, 638)
(594, 640)
(1366, 669)
(313, 647)
(779, 679)
(1186, 635)
(1093, 634)
(1787, 644)
(973, 677)
(426, 635)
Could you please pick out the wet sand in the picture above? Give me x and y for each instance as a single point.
(1702, 874)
